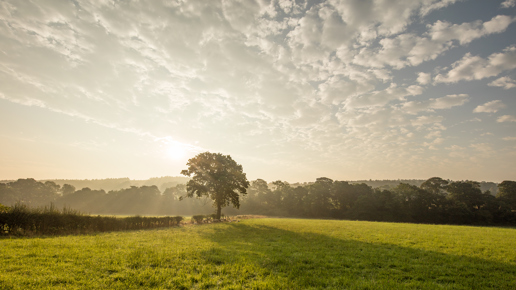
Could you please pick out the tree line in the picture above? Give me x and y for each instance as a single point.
(133, 200)
(435, 201)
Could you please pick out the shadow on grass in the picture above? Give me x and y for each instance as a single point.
(310, 260)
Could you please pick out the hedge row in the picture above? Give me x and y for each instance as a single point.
(22, 220)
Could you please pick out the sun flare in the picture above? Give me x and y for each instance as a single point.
(176, 152)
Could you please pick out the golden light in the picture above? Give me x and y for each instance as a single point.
(176, 151)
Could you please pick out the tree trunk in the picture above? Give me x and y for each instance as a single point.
(219, 210)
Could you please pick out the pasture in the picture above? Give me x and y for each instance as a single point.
(267, 254)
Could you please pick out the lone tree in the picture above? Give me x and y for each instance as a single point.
(217, 176)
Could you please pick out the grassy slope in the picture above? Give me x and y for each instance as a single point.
(268, 254)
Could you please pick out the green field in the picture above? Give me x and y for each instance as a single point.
(267, 254)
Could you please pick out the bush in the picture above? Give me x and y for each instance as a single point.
(198, 218)
(178, 219)
(3, 208)
(22, 220)
(214, 216)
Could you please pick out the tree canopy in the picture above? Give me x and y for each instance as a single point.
(218, 177)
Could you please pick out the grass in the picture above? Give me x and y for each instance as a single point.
(267, 254)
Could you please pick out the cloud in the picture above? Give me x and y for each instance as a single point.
(426, 120)
(408, 49)
(506, 118)
(476, 68)
(424, 78)
(504, 82)
(284, 78)
(490, 107)
(508, 4)
(432, 145)
(382, 97)
(442, 31)
(446, 102)
(483, 150)
(429, 6)
(509, 138)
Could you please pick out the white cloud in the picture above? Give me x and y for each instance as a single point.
(426, 120)
(446, 102)
(475, 68)
(490, 107)
(508, 3)
(504, 82)
(429, 6)
(383, 97)
(330, 78)
(509, 138)
(424, 78)
(506, 118)
(408, 49)
(457, 151)
(433, 134)
(466, 32)
(432, 145)
(483, 150)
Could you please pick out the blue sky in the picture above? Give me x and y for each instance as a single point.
(292, 90)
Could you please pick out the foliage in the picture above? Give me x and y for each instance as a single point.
(29, 191)
(3, 208)
(267, 254)
(22, 220)
(507, 192)
(218, 177)
(436, 201)
(198, 218)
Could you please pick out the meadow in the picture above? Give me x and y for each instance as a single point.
(267, 254)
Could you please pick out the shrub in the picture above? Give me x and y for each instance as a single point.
(198, 218)
(178, 219)
(22, 220)
(214, 216)
(3, 208)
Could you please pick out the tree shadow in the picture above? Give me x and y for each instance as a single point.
(304, 260)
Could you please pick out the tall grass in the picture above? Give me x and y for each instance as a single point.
(49, 220)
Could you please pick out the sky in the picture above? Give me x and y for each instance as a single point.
(291, 90)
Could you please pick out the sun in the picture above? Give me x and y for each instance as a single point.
(176, 152)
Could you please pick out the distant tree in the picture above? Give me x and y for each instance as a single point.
(507, 192)
(435, 185)
(175, 192)
(293, 200)
(255, 200)
(52, 186)
(344, 197)
(85, 200)
(217, 176)
(375, 205)
(418, 204)
(29, 191)
(319, 197)
(467, 192)
(67, 189)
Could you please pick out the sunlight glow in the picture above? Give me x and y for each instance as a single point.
(176, 151)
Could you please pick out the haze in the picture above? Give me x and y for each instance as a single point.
(291, 90)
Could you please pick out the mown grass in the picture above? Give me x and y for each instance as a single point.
(267, 254)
